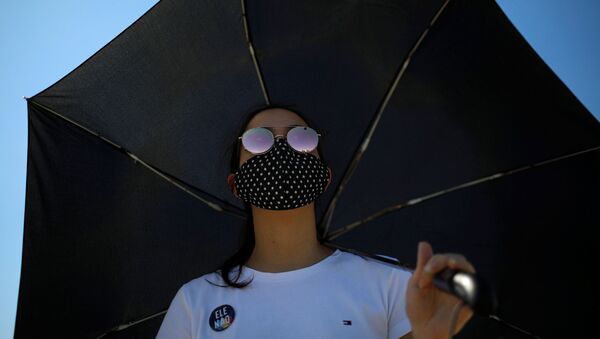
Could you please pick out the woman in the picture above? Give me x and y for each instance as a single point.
(294, 286)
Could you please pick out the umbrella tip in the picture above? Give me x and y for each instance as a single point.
(26, 98)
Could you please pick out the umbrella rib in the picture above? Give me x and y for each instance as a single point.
(252, 53)
(224, 207)
(135, 322)
(418, 200)
(374, 122)
(515, 327)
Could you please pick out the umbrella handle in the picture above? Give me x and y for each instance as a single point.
(468, 287)
(475, 292)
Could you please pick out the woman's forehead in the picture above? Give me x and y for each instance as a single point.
(275, 117)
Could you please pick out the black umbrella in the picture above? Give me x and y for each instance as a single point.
(441, 123)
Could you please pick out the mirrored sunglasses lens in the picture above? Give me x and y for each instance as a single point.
(303, 139)
(257, 140)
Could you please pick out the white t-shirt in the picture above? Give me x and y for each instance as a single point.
(341, 296)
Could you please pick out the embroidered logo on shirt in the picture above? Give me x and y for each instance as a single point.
(347, 322)
(221, 318)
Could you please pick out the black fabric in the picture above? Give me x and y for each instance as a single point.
(107, 241)
(281, 179)
(528, 233)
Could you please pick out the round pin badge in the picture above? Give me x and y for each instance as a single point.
(221, 318)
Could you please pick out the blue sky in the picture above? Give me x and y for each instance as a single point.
(44, 40)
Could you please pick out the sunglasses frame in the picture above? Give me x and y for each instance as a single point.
(268, 128)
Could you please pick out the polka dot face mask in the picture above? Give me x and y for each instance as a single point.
(281, 179)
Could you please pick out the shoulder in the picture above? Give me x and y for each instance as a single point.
(202, 284)
(201, 289)
(208, 280)
(384, 270)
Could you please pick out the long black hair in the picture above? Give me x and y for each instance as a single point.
(247, 243)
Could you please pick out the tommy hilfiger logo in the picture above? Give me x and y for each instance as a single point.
(347, 322)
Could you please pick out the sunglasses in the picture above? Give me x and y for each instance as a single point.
(259, 140)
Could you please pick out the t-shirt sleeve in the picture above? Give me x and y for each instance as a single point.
(177, 323)
(398, 322)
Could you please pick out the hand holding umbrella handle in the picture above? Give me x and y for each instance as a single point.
(468, 287)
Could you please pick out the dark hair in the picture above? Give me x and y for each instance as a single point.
(248, 241)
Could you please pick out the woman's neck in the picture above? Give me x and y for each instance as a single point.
(285, 240)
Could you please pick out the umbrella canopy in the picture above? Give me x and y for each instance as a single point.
(440, 123)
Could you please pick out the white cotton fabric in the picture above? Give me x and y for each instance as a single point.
(342, 296)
